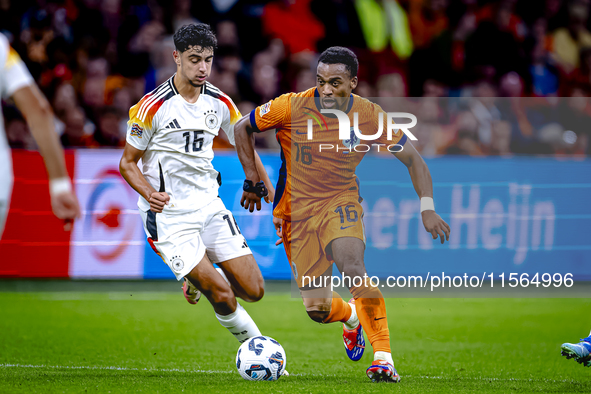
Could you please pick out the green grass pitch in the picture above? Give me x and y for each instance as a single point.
(134, 340)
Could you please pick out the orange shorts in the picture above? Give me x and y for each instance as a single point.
(306, 241)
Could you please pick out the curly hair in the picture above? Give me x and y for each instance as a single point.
(341, 55)
(198, 34)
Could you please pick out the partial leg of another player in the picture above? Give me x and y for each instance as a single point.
(581, 351)
(230, 314)
(370, 306)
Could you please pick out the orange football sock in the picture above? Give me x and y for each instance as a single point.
(371, 311)
(339, 310)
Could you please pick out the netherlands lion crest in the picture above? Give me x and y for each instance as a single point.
(352, 142)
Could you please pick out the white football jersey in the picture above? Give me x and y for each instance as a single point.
(177, 138)
(13, 76)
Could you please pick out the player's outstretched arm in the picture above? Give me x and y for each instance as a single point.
(132, 174)
(244, 137)
(39, 116)
(421, 180)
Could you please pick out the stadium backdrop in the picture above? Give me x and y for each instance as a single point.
(506, 214)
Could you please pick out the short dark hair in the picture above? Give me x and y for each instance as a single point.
(198, 34)
(341, 55)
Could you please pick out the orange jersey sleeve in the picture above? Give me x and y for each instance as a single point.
(271, 115)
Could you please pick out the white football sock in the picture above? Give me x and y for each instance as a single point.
(383, 356)
(353, 321)
(223, 274)
(240, 324)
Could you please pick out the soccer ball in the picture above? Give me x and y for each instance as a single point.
(261, 358)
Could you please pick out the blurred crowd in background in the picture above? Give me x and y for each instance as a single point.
(94, 59)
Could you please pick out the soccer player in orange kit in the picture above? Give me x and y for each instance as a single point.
(317, 199)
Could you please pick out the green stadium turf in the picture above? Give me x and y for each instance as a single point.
(115, 338)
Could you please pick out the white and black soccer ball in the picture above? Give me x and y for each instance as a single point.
(261, 358)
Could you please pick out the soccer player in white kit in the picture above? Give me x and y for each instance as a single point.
(172, 130)
(17, 83)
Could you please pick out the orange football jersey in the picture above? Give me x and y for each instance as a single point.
(315, 171)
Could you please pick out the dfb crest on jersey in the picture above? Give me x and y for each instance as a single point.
(353, 140)
(177, 263)
(211, 120)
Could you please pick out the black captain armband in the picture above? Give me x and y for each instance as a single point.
(259, 189)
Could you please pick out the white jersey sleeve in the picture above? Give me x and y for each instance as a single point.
(13, 73)
(140, 126)
(143, 117)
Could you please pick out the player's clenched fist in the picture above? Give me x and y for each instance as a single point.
(435, 225)
(253, 193)
(250, 201)
(158, 200)
(65, 206)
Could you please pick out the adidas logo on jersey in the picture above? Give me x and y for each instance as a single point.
(244, 245)
(173, 125)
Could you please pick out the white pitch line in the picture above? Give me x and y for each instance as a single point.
(542, 380)
(110, 368)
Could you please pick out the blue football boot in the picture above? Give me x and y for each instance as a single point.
(353, 339)
(581, 351)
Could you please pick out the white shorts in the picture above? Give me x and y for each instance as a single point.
(182, 240)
